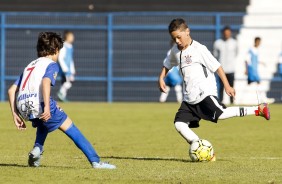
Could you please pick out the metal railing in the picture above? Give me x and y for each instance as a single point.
(110, 23)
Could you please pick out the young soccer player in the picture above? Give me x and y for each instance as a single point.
(252, 62)
(198, 66)
(30, 99)
(66, 65)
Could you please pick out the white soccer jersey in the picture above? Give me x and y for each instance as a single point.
(226, 51)
(29, 98)
(197, 66)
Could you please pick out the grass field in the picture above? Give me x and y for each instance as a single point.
(141, 140)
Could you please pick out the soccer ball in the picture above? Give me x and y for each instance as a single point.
(201, 151)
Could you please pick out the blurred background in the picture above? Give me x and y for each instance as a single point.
(120, 45)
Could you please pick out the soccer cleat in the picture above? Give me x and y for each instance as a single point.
(263, 110)
(103, 165)
(34, 157)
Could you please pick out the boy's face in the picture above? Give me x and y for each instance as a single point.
(181, 38)
(257, 43)
(227, 34)
(70, 38)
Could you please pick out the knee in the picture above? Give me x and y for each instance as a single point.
(67, 84)
(66, 124)
(178, 88)
(179, 125)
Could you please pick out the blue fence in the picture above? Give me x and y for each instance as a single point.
(117, 55)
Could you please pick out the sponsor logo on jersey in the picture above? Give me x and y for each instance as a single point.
(25, 96)
(55, 75)
(188, 59)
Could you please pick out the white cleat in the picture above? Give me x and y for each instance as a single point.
(103, 165)
(34, 157)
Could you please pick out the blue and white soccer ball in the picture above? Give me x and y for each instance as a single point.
(201, 151)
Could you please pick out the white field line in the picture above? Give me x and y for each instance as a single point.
(158, 158)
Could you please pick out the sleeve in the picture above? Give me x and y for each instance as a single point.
(170, 60)
(52, 72)
(19, 80)
(61, 59)
(209, 60)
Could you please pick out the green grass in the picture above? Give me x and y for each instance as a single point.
(141, 140)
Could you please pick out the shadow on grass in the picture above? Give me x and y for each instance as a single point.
(12, 165)
(147, 158)
(26, 166)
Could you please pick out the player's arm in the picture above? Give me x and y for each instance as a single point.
(46, 90)
(228, 89)
(19, 122)
(48, 80)
(168, 63)
(246, 68)
(162, 85)
(61, 60)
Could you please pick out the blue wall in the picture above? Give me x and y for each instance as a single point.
(118, 56)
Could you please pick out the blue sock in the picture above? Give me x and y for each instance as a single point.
(41, 135)
(82, 143)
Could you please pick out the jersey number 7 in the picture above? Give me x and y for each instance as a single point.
(26, 79)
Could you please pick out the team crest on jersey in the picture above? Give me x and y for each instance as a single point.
(55, 75)
(188, 59)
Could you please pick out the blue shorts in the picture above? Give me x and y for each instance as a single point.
(58, 116)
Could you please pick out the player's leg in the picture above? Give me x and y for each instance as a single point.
(185, 131)
(66, 85)
(60, 93)
(164, 96)
(221, 90)
(84, 145)
(230, 78)
(215, 110)
(184, 119)
(178, 92)
(34, 155)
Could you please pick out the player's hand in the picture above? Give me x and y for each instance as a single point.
(230, 91)
(46, 115)
(19, 122)
(162, 86)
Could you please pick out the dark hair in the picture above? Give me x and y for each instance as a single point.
(49, 43)
(226, 28)
(257, 39)
(66, 32)
(177, 24)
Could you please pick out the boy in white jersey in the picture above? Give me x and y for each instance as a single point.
(30, 99)
(198, 66)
